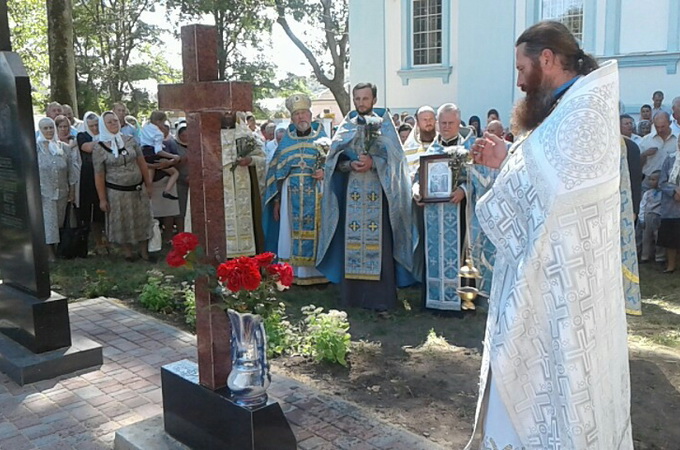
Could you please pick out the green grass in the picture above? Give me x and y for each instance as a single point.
(660, 320)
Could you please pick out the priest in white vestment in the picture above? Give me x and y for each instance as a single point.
(420, 139)
(555, 367)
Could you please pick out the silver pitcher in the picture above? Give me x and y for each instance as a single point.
(249, 377)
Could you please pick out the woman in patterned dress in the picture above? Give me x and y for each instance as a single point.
(120, 177)
(57, 180)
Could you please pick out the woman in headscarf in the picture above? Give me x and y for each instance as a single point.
(120, 176)
(57, 180)
(89, 211)
(64, 136)
(477, 124)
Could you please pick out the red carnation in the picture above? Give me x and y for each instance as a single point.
(240, 273)
(264, 259)
(175, 259)
(184, 242)
(284, 272)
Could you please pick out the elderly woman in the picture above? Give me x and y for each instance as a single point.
(89, 212)
(669, 230)
(57, 180)
(65, 136)
(120, 173)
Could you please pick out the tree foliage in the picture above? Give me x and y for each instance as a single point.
(329, 56)
(28, 22)
(239, 23)
(114, 50)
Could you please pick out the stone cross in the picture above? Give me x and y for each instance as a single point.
(205, 100)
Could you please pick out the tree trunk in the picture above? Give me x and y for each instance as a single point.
(61, 52)
(5, 42)
(341, 96)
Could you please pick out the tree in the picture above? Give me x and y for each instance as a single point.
(108, 33)
(333, 17)
(239, 23)
(28, 22)
(61, 53)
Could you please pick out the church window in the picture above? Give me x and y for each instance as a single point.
(569, 12)
(427, 32)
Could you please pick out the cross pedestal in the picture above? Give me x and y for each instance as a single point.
(197, 408)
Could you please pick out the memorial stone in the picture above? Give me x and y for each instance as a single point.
(197, 408)
(36, 340)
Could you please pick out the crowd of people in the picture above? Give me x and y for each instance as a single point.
(392, 200)
(654, 180)
(117, 175)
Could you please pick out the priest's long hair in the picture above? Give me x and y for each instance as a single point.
(555, 36)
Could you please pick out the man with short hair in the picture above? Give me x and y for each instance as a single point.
(76, 124)
(675, 116)
(293, 193)
(496, 127)
(657, 100)
(627, 126)
(645, 112)
(657, 145)
(420, 138)
(441, 248)
(53, 110)
(554, 213)
(366, 241)
(120, 110)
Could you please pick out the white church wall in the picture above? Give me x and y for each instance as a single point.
(486, 58)
(368, 44)
(644, 26)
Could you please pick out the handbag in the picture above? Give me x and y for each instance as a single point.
(156, 241)
(73, 236)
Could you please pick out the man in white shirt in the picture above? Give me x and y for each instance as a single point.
(272, 145)
(627, 126)
(657, 145)
(675, 116)
(657, 98)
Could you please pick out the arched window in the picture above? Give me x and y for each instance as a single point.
(569, 12)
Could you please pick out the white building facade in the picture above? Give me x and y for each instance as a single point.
(436, 51)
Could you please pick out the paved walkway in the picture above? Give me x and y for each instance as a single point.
(84, 410)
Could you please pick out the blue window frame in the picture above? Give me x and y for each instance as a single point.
(425, 40)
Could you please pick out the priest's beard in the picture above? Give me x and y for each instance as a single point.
(427, 136)
(536, 106)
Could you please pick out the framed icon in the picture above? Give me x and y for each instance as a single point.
(436, 178)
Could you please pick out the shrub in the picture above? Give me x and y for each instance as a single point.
(189, 304)
(282, 336)
(157, 295)
(326, 336)
(98, 286)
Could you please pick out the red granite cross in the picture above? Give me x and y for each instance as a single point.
(205, 100)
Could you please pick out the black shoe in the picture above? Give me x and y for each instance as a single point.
(668, 271)
(170, 196)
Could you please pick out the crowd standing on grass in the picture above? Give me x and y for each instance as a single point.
(388, 200)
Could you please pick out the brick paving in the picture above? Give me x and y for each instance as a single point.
(84, 410)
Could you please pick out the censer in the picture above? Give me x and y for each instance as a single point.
(468, 294)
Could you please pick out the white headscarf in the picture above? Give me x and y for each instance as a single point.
(53, 144)
(86, 127)
(113, 141)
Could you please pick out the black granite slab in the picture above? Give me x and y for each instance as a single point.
(38, 325)
(23, 252)
(205, 419)
(24, 366)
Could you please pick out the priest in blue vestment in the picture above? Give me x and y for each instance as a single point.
(443, 236)
(366, 239)
(293, 193)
